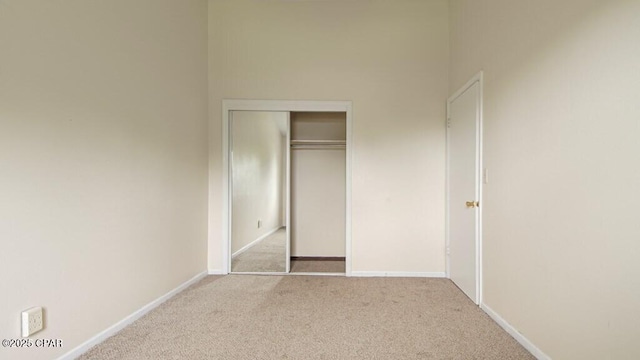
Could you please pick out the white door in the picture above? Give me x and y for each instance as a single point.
(464, 163)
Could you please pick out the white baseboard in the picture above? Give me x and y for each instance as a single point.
(216, 272)
(397, 274)
(84, 347)
(249, 245)
(534, 350)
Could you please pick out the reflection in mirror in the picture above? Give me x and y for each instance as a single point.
(258, 218)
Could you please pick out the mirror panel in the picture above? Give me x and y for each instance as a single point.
(258, 186)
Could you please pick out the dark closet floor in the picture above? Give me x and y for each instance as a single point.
(313, 266)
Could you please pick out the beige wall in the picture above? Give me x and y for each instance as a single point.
(258, 165)
(561, 230)
(318, 186)
(391, 59)
(103, 160)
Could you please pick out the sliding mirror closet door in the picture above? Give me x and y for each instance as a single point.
(259, 156)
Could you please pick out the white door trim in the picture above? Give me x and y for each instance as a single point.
(287, 204)
(285, 106)
(478, 78)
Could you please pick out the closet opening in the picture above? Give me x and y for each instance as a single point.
(287, 187)
(318, 192)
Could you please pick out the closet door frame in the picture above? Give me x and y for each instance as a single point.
(287, 204)
(281, 106)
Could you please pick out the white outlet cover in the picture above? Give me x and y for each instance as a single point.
(32, 321)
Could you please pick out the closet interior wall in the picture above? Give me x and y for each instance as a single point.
(318, 184)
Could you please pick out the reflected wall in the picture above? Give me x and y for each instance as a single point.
(258, 157)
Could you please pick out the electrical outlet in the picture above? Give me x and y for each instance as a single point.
(32, 321)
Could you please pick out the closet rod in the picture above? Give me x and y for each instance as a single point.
(318, 142)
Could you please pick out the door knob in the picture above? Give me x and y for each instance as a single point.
(473, 204)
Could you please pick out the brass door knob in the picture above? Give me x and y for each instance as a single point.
(472, 204)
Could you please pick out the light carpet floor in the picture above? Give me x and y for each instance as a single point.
(269, 255)
(313, 317)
